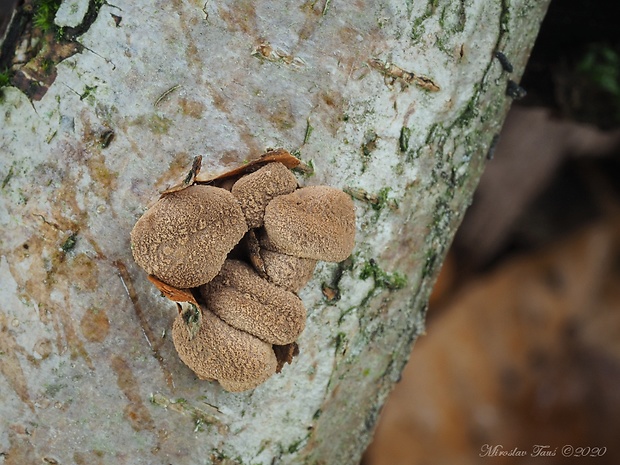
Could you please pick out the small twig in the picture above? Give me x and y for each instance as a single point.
(166, 93)
(309, 130)
(325, 7)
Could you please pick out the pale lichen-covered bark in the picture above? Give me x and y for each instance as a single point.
(88, 370)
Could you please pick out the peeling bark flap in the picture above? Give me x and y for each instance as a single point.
(285, 354)
(279, 155)
(173, 293)
(223, 180)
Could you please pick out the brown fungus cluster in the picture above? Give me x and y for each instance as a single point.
(233, 251)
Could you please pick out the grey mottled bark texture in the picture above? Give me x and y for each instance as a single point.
(88, 371)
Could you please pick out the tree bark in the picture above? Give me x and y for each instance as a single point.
(89, 373)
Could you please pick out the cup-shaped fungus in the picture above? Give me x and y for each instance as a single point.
(216, 350)
(255, 190)
(244, 300)
(184, 238)
(316, 222)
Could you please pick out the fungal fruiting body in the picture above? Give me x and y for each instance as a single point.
(255, 190)
(287, 271)
(240, 297)
(236, 249)
(220, 351)
(185, 237)
(316, 222)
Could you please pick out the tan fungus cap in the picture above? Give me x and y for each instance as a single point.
(255, 190)
(240, 297)
(286, 271)
(184, 238)
(316, 222)
(218, 351)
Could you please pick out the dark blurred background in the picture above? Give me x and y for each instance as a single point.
(523, 332)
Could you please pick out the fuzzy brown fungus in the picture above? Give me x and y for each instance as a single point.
(249, 303)
(183, 239)
(232, 251)
(255, 190)
(238, 360)
(316, 222)
(286, 271)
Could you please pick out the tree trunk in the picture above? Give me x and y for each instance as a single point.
(89, 372)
